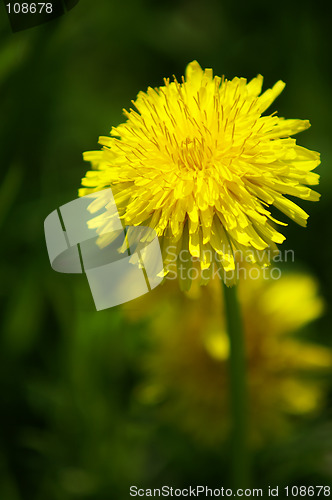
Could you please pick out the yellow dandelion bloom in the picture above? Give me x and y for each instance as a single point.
(197, 162)
(186, 368)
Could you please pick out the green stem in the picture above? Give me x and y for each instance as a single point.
(238, 389)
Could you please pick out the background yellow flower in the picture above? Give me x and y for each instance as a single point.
(186, 368)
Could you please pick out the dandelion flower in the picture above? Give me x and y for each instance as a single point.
(197, 162)
(186, 367)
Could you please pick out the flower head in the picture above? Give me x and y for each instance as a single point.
(198, 162)
(186, 368)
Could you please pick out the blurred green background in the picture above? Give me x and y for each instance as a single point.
(71, 425)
